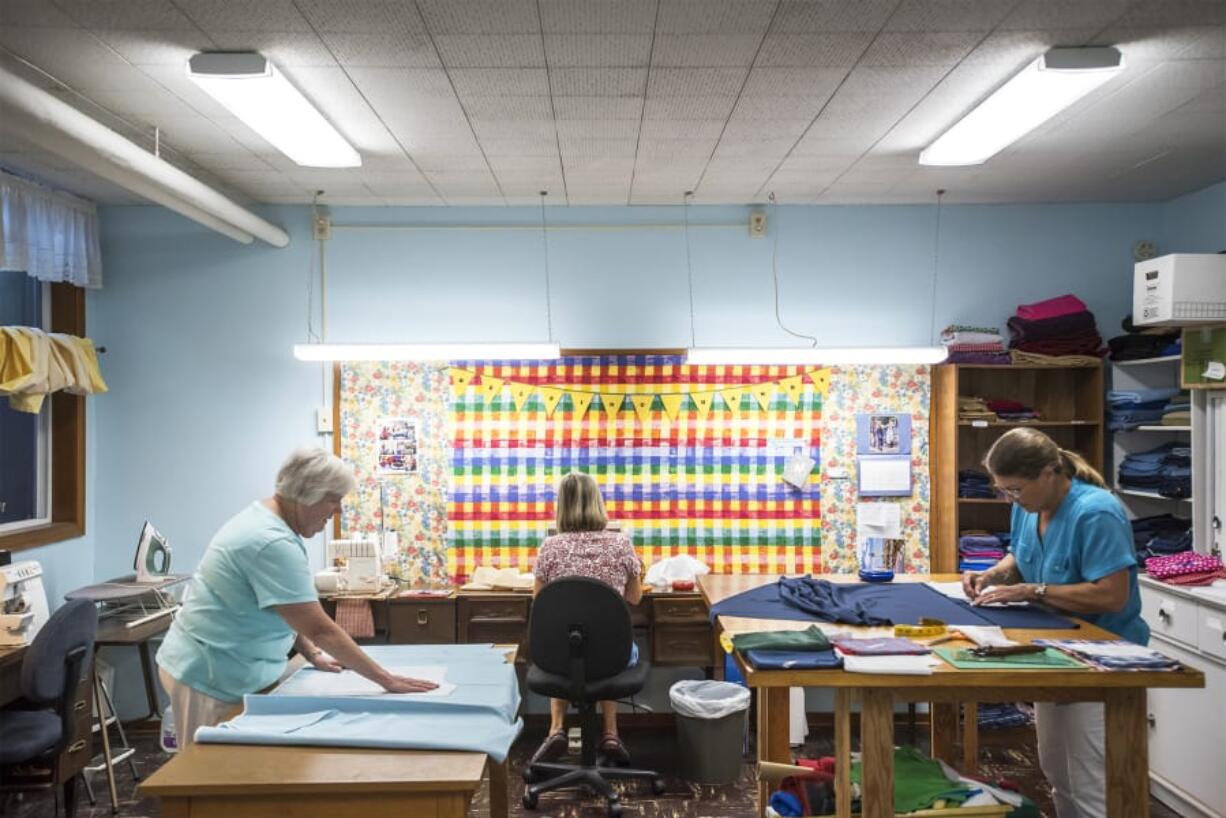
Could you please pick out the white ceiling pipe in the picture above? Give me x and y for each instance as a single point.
(66, 131)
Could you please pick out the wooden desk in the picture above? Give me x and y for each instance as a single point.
(239, 781)
(1122, 693)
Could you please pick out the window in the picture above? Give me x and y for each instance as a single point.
(42, 457)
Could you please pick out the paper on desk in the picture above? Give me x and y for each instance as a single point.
(312, 682)
(902, 665)
(883, 520)
(953, 590)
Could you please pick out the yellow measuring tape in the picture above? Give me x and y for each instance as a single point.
(926, 628)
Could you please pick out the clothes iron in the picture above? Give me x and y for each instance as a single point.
(152, 562)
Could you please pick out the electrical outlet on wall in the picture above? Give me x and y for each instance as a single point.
(323, 420)
(757, 225)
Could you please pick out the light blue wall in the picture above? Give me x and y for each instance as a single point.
(1195, 223)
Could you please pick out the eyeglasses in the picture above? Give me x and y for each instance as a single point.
(1012, 494)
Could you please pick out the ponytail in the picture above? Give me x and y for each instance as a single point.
(1026, 452)
(1077, 468)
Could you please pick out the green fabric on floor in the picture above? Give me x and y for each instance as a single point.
(811, 638)
(918, 781)
(1049, 659)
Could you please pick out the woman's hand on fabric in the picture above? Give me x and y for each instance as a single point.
(322, 661)
(973, 583)
(1021, 592)
(406, 684)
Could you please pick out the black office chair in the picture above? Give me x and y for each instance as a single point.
(579, 642)
(50, 672)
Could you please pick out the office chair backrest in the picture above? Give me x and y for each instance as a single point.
(591, 608)
(53, 662)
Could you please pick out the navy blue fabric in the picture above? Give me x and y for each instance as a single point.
(794, 659)
(831, 602)
(884, 603)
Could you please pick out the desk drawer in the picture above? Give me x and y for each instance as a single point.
(1213, 632)
(1170, 616)
(497, 619)
(77, 754)
(421, 622)
(495, 609)
(682, 645)
(682, 610)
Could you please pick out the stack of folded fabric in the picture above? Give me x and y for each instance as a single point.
(1161, 535)
(974, 345)
(1166, 470)
(975, 484)
(1108, 654)
(1003, 715)
(979, 551)
(972, 408)
(1012, 411)
(886, 654)
(1057, 327)
(1137, 345)
(1187, 568)
(1178, 410)
(1130, 408)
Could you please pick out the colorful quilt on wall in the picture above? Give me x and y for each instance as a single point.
(689, 458)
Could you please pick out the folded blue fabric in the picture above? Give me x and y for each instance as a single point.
(1133, 396)
(794, 659)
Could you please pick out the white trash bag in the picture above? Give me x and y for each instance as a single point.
(704, 699)
(682, 567)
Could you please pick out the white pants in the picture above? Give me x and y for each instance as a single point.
(1073, 757)
(192, 708)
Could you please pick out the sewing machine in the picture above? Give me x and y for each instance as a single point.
(24, 603)
(354, 566)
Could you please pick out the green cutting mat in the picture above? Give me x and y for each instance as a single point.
(1049, 659)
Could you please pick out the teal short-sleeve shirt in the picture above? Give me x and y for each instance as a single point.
(1089, 537)
(227, 640)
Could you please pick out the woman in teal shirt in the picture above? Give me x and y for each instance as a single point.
(252, 599)
(1072, 549)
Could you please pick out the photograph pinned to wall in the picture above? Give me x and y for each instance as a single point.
(397, 446)
(885, 433)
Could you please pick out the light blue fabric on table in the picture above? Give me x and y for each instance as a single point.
(480, 715)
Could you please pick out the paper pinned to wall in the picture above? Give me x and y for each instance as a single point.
(311, 682)
(885, 476)
(882, 520)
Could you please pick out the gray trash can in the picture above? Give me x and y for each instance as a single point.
(710, 730)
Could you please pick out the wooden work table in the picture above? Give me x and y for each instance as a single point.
(1123, 694)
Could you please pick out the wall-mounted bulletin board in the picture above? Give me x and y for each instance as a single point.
(689, 458)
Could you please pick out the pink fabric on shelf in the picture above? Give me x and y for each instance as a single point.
(1051, 308)
(1176, 565)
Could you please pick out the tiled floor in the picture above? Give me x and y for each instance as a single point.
(1004, 753)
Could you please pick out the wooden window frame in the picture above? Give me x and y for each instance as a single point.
(67, 502)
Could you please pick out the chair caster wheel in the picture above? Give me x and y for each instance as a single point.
(657, 786)
(614, 809)
(529, 799)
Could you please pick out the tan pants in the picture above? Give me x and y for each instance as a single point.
(192, 708)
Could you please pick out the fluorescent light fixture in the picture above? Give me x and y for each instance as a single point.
(425, 352)
(1043, 89)
(252, 89)
(815, 355)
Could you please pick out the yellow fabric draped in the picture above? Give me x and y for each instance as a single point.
(34, 364)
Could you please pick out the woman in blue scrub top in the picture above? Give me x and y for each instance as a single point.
(1071, 549)
(252, 599)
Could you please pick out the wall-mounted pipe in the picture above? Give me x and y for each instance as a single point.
(62, 129)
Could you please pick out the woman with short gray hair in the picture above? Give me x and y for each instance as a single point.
(253, 598)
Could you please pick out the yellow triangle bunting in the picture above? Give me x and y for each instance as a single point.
(672, 405)
(763, 392)
(519, 394)
(642, 406)
(821, 379)
(550, 397)
(612, 404)
(732, 397)
(580, 401)
(460, 379)
(490, 387)
(703, 401)
(793, 387)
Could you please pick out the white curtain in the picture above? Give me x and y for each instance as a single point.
(50, 235)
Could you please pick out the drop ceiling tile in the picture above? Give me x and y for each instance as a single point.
(470, 181)
(500, 81)
(817, 165)
(524, 184)
(580, 148)
(747, 166)
(682, 128)
(508, 108)
(603, 50)
(688, 107)
(33, 14)
(754, 109)
(1018, 48)
(129, 14)
(1056, 14)
(829, 16)
(156, 47)
(490, 51)
(715, 16)
(240, 160)
(652, 196)
(572, 129)
(598, 16)
(391, 84)
(672, 171)
(415, 200)
(480, 16)
(361, 16)
(752, 129)
(332, 92)
(674, 149)
(793, 82)
(607, 82)
(149, 105)
(450, 163)
(388, 49)
(514, 165)
(705, 49)
(800, 183)
(943, 48)
(695, 82)
(1150, 45)
(580, 166)
(889, 84)
(756, 151)
(283, 48)
(949, 15)
(74, 57)
(519, 146)
(433, 147)
(808, 50)
(228, 15)
(628, 108)
(842, 146)
(541, 129)
(1175, 13)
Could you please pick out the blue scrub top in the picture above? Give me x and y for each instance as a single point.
(1089, 537)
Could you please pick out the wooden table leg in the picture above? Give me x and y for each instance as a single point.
(943, 717)
(970, 738)
(877, 754)
(1127, 754)
(842, 752)
(498, 789)
(773, 713)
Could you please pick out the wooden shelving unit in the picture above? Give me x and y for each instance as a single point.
(1070, 400)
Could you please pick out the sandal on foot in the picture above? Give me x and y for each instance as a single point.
(614, 751)
(552, 748)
